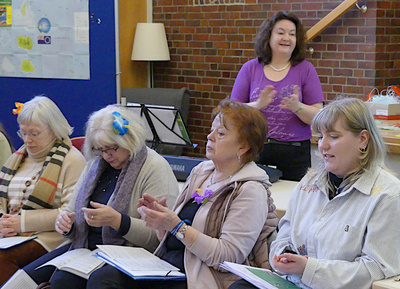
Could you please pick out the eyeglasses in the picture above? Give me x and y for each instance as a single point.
(106, 151)
(23, 135)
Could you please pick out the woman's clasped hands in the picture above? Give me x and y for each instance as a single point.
(10, 225)
(288, 263)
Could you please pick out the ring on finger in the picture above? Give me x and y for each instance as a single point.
(92, 217)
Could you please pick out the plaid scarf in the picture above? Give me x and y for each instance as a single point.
(120, 199)
(44, 191)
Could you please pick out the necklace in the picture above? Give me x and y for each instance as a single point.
(18, 204)
(216, 182)
(279, 69)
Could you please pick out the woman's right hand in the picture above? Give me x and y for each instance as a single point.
(64, 222)
(288, 263)
(266, 96)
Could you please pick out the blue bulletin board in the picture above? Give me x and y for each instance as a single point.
(76, 98)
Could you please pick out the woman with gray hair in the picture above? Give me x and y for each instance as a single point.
(36, 183)
(103, 208)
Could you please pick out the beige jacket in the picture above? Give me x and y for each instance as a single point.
(244, 222)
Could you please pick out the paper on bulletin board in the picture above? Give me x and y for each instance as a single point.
(47, 39)
(81, 28)
(5, 13)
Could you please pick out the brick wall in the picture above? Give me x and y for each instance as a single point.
(209, 44)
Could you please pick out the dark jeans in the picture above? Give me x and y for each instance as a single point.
(242, 284)
(105, 277)
(43, 274)
(292, 158)
(108, 277)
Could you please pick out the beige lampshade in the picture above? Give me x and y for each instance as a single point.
(150, 43)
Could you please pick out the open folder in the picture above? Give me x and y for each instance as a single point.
(138, 263)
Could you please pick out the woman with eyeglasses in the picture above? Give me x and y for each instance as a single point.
(36, 183)
(224, 213)
(103, 207)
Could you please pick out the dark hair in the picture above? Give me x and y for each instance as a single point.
(250, 123)
(3, 131)
(262, 48)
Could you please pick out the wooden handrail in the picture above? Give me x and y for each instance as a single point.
(329, 19)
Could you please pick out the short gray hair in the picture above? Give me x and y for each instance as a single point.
(100, 131)
(42, 110)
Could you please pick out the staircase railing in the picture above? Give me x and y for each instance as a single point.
(345, 6)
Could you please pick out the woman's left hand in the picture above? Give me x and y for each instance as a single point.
(10, 225)
(292, 102)
(290, 263)
(102, 215)
(159, 217)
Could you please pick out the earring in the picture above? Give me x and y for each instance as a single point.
(238, 159)
(363, 150)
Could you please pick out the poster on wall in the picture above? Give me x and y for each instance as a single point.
(44, 39)
(5, 13)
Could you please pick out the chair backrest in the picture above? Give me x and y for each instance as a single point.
(78, 142)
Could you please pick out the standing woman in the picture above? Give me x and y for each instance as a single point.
(286, 89)
(36, 183)
(6, 148)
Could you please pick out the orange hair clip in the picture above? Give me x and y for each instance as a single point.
(18, 108)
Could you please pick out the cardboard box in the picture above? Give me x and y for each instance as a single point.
(384, 111)
(391, 283)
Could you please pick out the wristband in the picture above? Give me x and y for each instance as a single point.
(299, 110)
(180, 235)
(177, 227)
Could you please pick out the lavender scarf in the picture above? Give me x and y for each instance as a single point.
(120, 199)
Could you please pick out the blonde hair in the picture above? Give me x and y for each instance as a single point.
(100, 131)
(357, 118)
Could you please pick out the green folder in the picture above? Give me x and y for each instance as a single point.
(272, 279)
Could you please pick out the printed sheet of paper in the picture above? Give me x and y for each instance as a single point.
(9, 242)
(20, 280)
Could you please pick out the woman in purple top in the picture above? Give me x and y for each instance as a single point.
(286, 89)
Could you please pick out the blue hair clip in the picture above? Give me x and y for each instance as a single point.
(120, 124)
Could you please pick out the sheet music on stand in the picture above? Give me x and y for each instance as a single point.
(163, 125)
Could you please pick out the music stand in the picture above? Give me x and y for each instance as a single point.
(163, 125)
